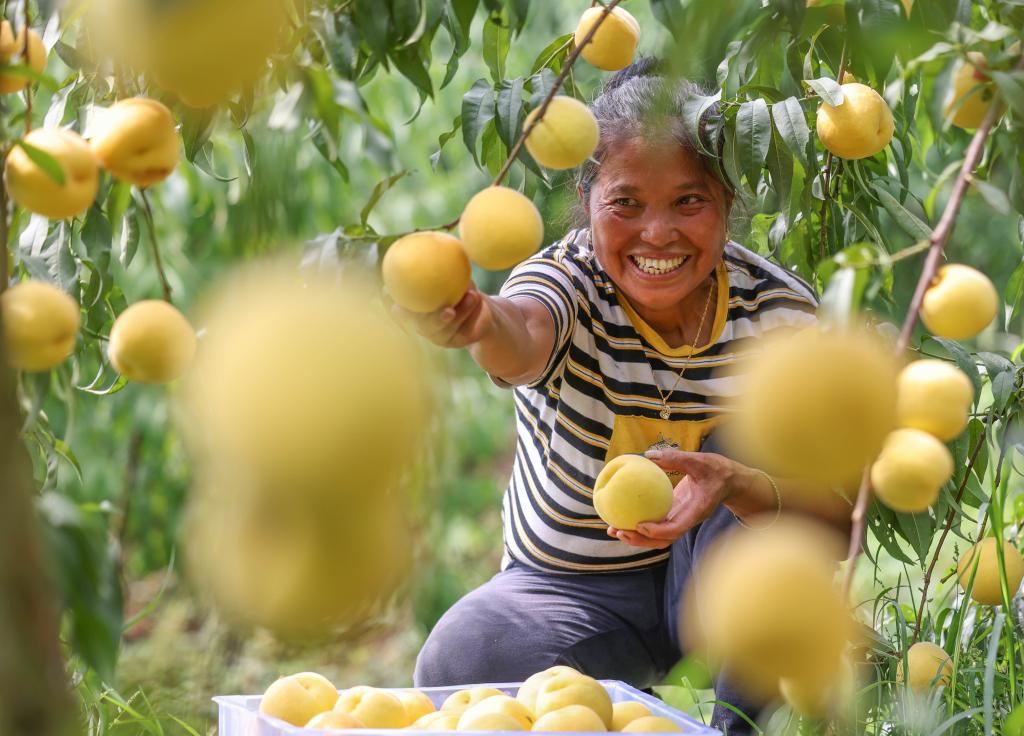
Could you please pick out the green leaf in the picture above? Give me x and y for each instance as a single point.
(414, 68)
(693, 113)
(844, 293)
(130, 236)
(62, 263)
(883, 523)
(329, 150)
(753, 137)
(71, 56)
(780, 167)
(549, 57)
(464, 10)
(541, 85)
(477, 112)
(918, 529)
(373, 26)
(88, 570)
(792, 126)
(827, 89)
(517, 10)
(1002, 388)
(97, 235)
(672, 14)
(407, 18)
(64, 450)
(963, 361)
(510, 110)
(1015, 291)
(975, 428)
(44, 161)
(457, 19)
(248, 152)
(793, 10)
(339, 38)
(196, 128)
(58, 106)
(492, 150)
(119, 383)
(1011, 84)
(995, 196)
(907, 220)
(497, 40)
(443, 139)
(378, 191)
(994, 363)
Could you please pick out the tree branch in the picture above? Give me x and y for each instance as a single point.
(559, 81)
(131, 474)
(151, 228)
(826, 173)
(5, 234)
(949, 525)
(542, 110)
(28, 87)
(938, 239)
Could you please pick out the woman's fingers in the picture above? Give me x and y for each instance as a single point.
(444, 327)
(426, 325)
(636, 539)
(677, 460)
(452, 333)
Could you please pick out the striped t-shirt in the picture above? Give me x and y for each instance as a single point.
(599, 395)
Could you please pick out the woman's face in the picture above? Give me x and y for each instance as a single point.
(658, 222)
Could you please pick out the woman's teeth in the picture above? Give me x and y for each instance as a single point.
(658, 266)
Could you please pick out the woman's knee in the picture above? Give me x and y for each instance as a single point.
(485, 637)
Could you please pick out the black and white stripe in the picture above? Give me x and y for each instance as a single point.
(603, 367)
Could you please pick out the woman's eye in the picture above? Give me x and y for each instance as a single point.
(690, 199)
(625, 202)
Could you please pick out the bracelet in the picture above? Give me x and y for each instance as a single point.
(778, 507)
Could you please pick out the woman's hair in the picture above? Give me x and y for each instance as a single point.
(641, 101)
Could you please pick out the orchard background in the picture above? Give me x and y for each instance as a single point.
(377, 117)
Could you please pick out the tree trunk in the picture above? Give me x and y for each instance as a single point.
(34, 690)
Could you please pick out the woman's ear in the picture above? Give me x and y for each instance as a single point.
(584, 200)
(728, 197)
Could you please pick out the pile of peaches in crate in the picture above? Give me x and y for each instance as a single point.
(557, 699)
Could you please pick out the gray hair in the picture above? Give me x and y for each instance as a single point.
(639, 101)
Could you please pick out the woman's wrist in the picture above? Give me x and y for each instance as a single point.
(502, 348)
(751, 491)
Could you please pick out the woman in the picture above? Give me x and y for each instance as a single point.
(615, 340)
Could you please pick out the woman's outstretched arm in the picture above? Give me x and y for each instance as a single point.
(512, 339)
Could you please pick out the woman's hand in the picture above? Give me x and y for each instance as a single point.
(710, 479)
(452, 327)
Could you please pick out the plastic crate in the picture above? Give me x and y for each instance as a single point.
(238, 715)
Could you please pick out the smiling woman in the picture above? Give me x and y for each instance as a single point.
(623, 337)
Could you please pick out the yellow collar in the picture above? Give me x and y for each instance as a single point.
(658, 342)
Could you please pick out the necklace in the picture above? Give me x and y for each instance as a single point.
(665, 413)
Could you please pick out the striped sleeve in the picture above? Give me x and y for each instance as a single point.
(547, 278)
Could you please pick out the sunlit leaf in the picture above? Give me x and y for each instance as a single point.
(792, 126)
(907, 220)
(477, 112)
(753, 137)
(43, 160)
(509, 110)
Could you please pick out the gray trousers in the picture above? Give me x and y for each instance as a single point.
(620, 626)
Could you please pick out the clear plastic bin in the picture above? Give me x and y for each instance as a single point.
(238, 715)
